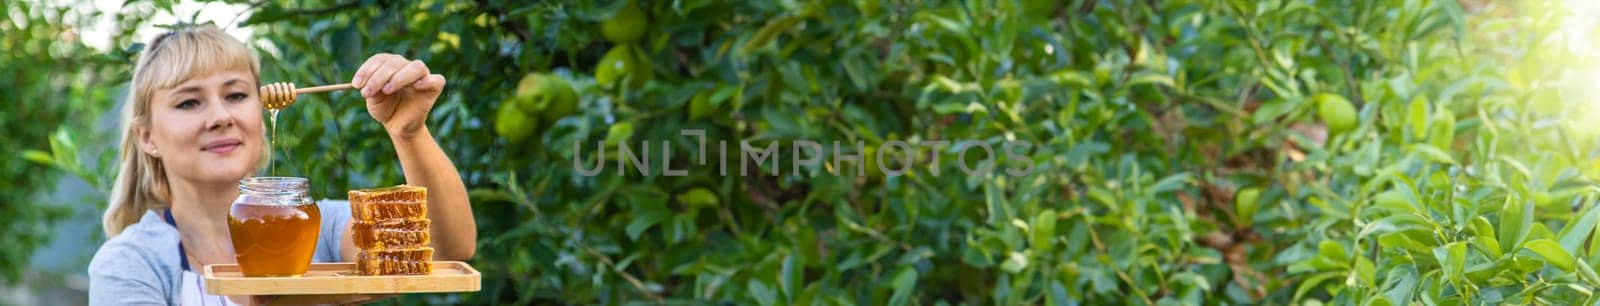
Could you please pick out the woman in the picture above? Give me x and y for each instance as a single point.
(192, 129)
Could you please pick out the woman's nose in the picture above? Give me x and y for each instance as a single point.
(221, 117)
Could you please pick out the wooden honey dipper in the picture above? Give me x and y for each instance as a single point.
(282, 94)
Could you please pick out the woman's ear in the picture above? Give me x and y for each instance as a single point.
(145, 143)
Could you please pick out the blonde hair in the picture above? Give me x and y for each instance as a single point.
(168, 60)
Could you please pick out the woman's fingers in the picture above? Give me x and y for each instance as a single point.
(388, 73)
(385, 74)
(433, 82)
(364, 74)
(380, 76)
(407, 76)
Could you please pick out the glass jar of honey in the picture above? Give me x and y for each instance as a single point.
(274, 225)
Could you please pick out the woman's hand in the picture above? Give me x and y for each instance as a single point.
(325, 299)
(399, 93)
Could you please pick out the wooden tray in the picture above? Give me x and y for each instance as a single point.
(341, 278)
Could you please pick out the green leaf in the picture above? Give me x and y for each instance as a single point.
(1332, 249)
(1330, 255)
(1366, 272)
(1312, 282)
(1151, 78)
(1587, 273)
(1014, 263)
(1378, 300)
(1442, 131)
(1417, 116)
(1482, 228)
(64, 149)
(1433, 153)
(1071, 78)
(1516, 165)
(763, 294)
(1489, 245)
(1453, 257)
(1516, 219)
(1273, 109)
(1245, 204)
(723, 94)
(768, 32)
(1396, 200)
(1171, 183)
(1042, 235)
(648, 209)
(904, 282)
(956, 108)
(643, 221)
(699, 196)
(682, 228)
(1553, 254)
(948, 85)
(619, 132)
(1402, 282)
(791, 274)
(1573, 235)
(40, 157)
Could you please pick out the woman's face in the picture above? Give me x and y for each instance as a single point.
(207, 129)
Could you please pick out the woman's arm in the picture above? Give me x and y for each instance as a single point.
(399, 94)
(455, 233)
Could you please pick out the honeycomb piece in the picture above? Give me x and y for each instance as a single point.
(406, 261)
(390, 233)
(396, 202)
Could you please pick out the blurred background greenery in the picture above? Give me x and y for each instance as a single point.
(1186, 152)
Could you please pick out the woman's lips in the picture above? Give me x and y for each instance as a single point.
(222, 146)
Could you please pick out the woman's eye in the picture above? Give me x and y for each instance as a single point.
(237, 97)
(188, 104)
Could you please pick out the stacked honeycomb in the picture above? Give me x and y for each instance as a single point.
(390, 226)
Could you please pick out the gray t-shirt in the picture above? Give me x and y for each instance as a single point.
(141, 266)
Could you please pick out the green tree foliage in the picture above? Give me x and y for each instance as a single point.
(1184, 152)
(56, 89)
